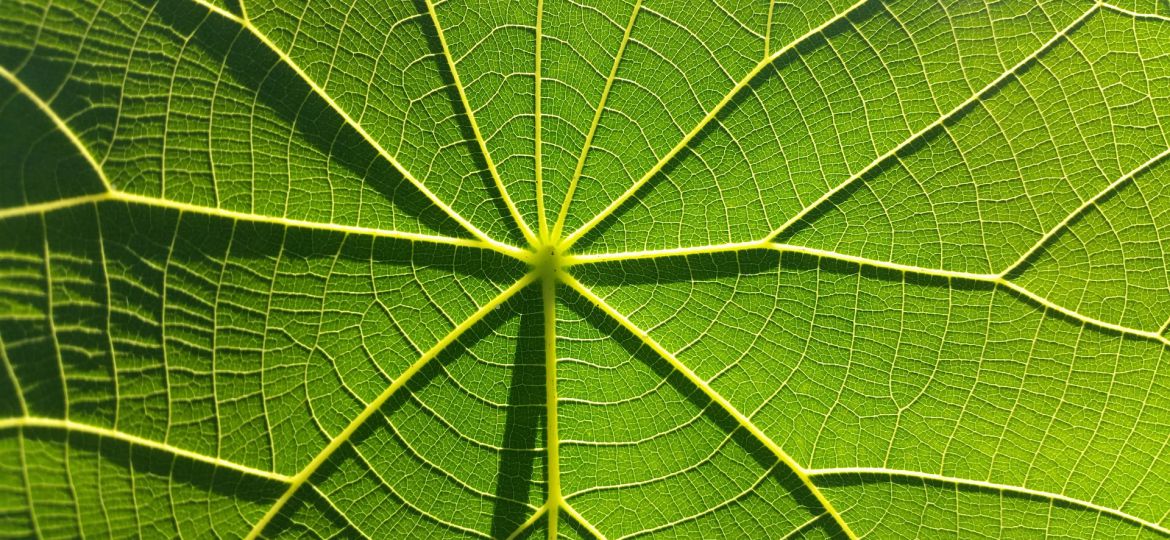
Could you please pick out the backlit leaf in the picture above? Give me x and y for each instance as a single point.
(584, 269)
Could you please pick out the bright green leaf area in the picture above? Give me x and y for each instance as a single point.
(584, 269)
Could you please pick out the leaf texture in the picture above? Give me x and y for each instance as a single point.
(584, 269)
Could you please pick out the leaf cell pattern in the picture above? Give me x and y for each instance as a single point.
(584, 269)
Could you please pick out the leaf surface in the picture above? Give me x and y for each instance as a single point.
(584, 269)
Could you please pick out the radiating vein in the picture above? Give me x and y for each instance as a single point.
(79, 427)
(541, 219)
(711, 394)
(1011, 72)
(524, 228)
(552, 435)
(120, 196)
(303, 476)
(1018, 490)
(735, 247)
(58, 122)
(999, 279)
(356, 126)
(588, 144)
(711, 114)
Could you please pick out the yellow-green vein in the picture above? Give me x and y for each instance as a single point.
(36, 422)
(58, 122)
(917, 135)
(528, 523)
(800, 529)
(130, 198)
(12, 376)
(768, 28)
(537, 135)
(1080, 210)
(573, 513)
(552, 436)
(999, 279)
(1135, 14)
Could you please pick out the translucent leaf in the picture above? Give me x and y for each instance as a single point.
(584, 269)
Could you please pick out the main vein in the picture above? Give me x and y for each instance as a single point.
(556, 500)
(541, 219)
(131, 198)
(711, 394)
(998, 279)
(552, 436)
(487, 157)
(80, 427)
(303, 476)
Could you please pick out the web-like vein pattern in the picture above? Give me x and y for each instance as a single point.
(255, 259)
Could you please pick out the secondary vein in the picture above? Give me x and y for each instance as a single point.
(58, 122)
(1007, 488)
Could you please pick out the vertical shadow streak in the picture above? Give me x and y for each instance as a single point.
(525, 419)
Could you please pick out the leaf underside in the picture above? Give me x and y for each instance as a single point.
(584, 269)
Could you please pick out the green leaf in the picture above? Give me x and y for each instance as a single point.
(584, 268)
